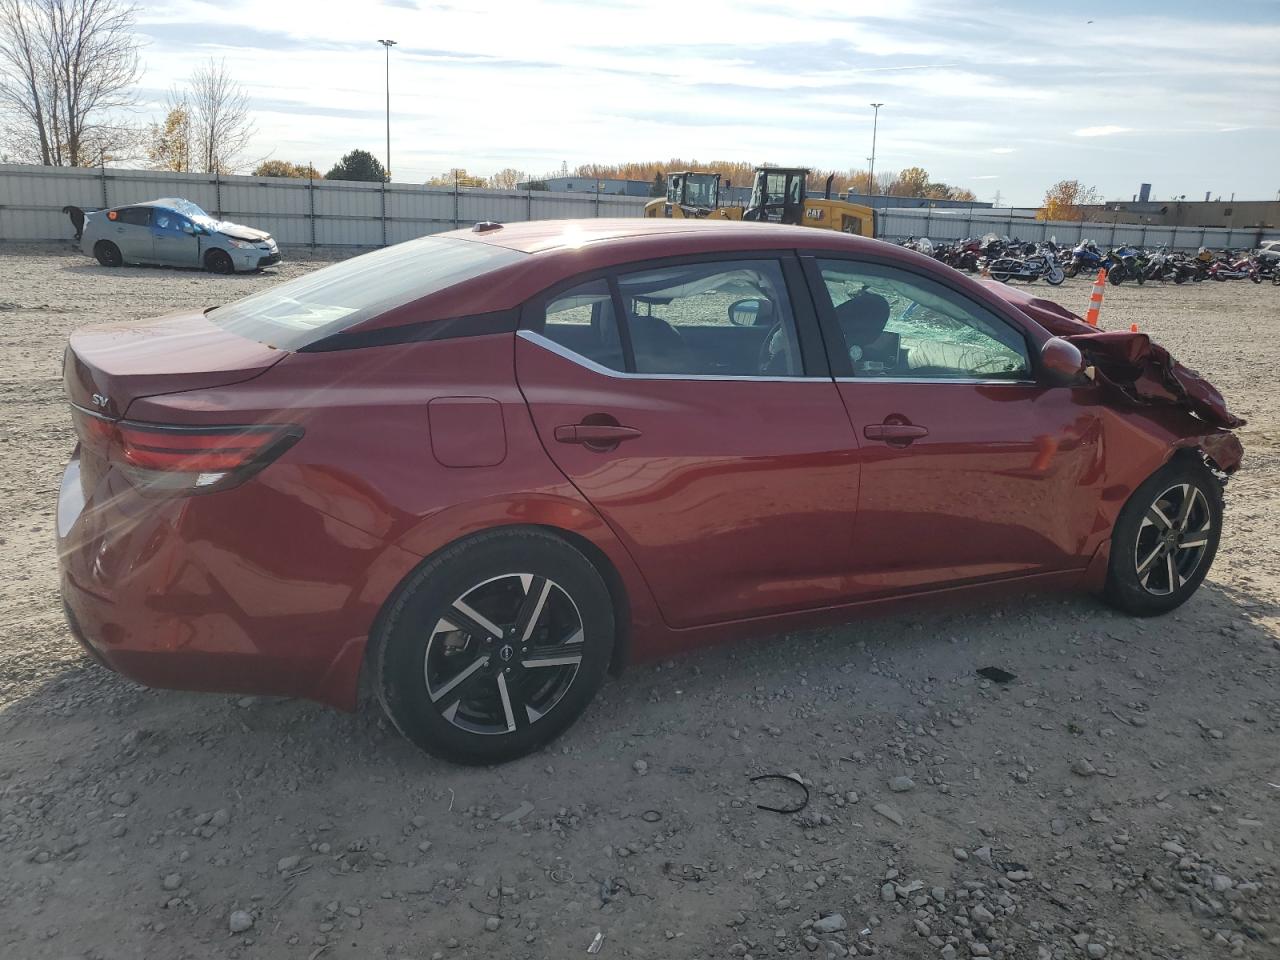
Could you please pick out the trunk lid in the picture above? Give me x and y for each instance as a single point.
(107, 367)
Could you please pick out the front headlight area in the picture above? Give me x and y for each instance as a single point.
(241, 244)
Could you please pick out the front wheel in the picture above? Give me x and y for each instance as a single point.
(1165, 539)
(1116, 275)
(219, 261)
(1055, 276)
(494, 647)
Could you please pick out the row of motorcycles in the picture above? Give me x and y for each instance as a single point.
(1005, 259)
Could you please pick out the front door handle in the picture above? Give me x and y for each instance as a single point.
(595, 434)
(899, 434)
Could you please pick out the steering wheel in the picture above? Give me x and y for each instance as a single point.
(776, 355)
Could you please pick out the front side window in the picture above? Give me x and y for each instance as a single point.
(899, 324)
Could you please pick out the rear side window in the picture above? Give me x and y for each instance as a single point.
(138, 216)
(302, 311)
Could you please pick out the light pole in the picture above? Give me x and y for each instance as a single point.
(388, 44)
(871, 173)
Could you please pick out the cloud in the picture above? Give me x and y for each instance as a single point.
(1004, 149)
(1103, 131)
(987, 176)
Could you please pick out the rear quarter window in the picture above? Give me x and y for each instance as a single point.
(300, 312)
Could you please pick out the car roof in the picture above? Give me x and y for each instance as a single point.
(644, 233)
(164, 202)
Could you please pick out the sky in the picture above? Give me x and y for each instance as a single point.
(999, 96)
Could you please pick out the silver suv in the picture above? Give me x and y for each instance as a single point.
(176, 233)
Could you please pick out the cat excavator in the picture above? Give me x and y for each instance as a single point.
(778, 195)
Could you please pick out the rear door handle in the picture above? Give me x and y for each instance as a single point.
(595, 434)
(902, 433)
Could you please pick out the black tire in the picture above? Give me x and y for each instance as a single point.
(1000, 275)
(1073, 269)
(1141, 539)
(1116, 275)
(219, 261)
(470, 720)
(108, 253)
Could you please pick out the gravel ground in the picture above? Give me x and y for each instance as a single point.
(1119, 797)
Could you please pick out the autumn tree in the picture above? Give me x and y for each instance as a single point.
(220, 117)
(507, 178)
(285, 168)
(65, 66)
(457, 176)
(1066, 200)
(169, 142)
(358, 165)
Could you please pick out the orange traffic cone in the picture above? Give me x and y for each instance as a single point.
(1095, 298)
(1133, 328)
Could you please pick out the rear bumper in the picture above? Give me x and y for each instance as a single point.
(243, 591)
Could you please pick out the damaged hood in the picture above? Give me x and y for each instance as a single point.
(1129, 364)
(238, 231)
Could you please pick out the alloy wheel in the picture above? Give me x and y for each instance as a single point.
(1172, 539)
(503, 654)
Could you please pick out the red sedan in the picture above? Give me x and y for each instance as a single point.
(490, 465)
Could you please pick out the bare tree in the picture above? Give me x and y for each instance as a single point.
(65, 65)
(220, 121)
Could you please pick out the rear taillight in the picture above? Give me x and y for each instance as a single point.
(182, 460)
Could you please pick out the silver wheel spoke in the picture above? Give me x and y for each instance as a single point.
(1174, 579)
(552, 660)
(506, 703)
(471, 621)
(465, 674)
(1144, 567)
(1156, 516)
(1189, 495)
(531, 610)
(1194, 540)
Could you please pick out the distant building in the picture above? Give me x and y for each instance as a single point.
(1232, 214)
(884, 201)
(620, 188)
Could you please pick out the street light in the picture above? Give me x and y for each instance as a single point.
(388, 44)
(871, 173)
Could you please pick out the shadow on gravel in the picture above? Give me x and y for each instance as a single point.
(149, 271)
(1025, 637)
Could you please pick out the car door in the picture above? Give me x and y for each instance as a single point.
(174, 239)
(131, 232)
(690, 403)
(971, 469)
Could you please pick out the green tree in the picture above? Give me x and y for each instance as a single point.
(284, 168)
(358, 165)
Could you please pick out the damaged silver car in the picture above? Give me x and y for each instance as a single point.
(175, 233)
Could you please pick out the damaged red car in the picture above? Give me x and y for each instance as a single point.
(486, 467)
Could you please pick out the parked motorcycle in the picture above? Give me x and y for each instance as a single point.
(1085, 258)
(1235, 270)
(1039, 264)
(1125, 263)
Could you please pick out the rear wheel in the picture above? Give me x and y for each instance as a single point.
(1165, 539)
(108, 253)
(219, 261)
(494, 647)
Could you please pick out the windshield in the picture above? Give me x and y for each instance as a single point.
(770, 189)
(189, 210)
(302, 311)
(702, 190)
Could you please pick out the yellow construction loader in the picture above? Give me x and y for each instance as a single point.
(778, 195)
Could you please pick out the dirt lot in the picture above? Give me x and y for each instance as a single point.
(1120, 797)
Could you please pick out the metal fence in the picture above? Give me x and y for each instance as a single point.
(296, 212)
(344, 213)
(897, 224)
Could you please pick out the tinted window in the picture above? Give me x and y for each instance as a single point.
(582, 320)
(729, 318)
(138, 216)
(899, 324)
(170, 221)
(302, 311)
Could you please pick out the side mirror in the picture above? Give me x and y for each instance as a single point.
(744, 313)
(1062, 362)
